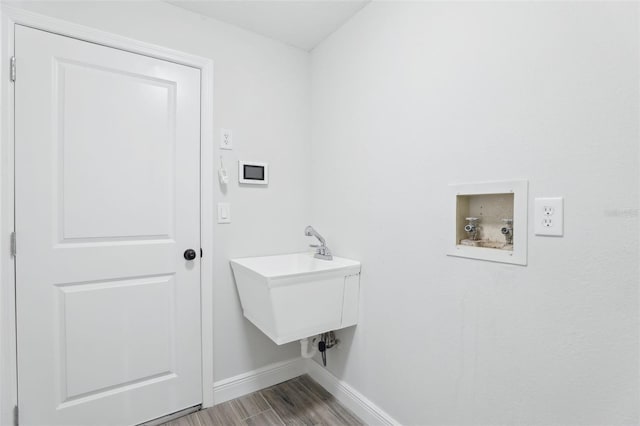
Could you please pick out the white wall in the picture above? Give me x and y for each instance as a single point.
(261, 92)
(409, 97)
(406, 98)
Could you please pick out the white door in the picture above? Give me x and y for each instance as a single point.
(107, 201)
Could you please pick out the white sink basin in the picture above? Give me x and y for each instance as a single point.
(293, 296)
(294, 265)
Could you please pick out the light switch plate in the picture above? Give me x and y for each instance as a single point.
(224, 213)
(226, 139)
(549, 216)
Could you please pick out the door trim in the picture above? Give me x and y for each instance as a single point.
(9, 17)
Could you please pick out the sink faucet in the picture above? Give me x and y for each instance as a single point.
(322, 251)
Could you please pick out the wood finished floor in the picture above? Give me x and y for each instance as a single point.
(300, 401)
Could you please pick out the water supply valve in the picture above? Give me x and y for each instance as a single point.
(471, 228)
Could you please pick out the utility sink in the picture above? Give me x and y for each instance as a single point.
(294, 296)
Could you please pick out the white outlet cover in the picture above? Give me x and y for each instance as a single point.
(549, 216)
(226, 139)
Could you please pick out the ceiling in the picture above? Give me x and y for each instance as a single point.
(302, 23)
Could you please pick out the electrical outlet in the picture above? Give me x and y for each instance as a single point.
(549, 217)
(226, 139)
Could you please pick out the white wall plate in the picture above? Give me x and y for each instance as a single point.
(549, 216)
(226, 139)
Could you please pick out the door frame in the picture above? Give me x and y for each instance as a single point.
(9, 17)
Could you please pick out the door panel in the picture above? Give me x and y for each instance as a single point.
(107, 200)
(97, 349)
(132, 122)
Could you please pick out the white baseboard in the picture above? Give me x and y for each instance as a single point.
(362, 407)
(252, 381)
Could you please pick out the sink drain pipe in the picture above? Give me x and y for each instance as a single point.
(305, 351)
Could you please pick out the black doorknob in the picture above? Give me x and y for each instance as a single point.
(190, 254)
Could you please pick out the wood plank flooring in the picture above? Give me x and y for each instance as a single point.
(300, 401)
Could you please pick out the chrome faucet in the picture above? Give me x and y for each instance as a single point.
(507, 230)
(471, 228)
(322, 251)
